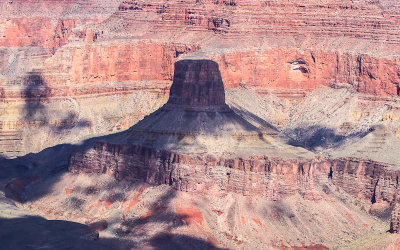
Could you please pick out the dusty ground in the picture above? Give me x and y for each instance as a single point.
(156, 217)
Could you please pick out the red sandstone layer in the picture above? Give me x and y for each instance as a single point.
(270, 177)
(267, 69)
(47, 23)
(308, 70)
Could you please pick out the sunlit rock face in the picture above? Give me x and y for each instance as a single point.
(221, 104)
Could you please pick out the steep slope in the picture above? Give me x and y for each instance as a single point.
(91, 49)
(302, 78)
(234, 197)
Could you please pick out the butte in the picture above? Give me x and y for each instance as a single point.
(195, 123)
(196, 119)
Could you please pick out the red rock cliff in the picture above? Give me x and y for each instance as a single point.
(269, 177)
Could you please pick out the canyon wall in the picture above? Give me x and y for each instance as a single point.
(289, 69)
(44, 26)
(87, 49)
(372, 21)
(308, 70)
(270, 177)
(105, 87)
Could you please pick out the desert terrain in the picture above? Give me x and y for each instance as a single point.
(199, 124)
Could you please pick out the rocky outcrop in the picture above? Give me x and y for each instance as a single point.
(196, 143)
(196, 119)
(395, 220)
(265, 176)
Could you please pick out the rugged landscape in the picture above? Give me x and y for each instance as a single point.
(199, 124)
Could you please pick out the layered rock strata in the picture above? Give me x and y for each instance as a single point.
(88, 92)
(334, 27)
(373, 21)
(80, 48)
(195, 143)
(196, 119)
(270, 177)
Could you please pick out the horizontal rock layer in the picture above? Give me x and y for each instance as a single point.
(309, 69)
(265, 176)
(373, 22)
(271, 69)
(38, 31)
(272, 178)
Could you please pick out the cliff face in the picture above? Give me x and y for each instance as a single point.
(116, 61)
(310, 69)
(366, 20)
(371, 185)
(94, 48)
(47, 23)
(263, 176)
(74, 79)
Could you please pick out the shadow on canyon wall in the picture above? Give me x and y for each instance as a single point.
(247, 115)
(36, 167)
(315, 137)
(33, 232)
(41, 120)
(196, 106)
(36, 94)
